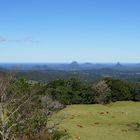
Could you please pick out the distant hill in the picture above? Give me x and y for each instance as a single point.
(138, 64)
(118, 66)
(74, 64)
(88, 64)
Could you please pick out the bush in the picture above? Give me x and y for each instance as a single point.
(102, 93)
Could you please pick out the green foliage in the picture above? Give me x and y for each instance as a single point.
(73, 91)
(70, 91)
(21, 109)
(120, 90)
(32, 125)
(57, 135)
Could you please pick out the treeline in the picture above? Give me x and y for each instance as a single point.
(107, 90)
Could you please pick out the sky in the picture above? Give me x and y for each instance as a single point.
(42, 31)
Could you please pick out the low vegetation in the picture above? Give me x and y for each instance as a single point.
(115, 121)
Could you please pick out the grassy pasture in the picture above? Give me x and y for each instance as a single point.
(116, 121)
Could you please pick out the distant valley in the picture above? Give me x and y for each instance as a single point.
(87, 72)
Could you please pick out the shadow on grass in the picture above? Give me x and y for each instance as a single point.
(134, 127)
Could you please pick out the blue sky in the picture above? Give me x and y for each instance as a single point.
(68, 30)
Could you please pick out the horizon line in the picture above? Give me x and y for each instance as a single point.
(69, 62)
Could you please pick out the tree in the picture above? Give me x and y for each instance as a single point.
(19, 112)
(120, 90)
(101, 92)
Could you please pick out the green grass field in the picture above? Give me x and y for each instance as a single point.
(116, 121)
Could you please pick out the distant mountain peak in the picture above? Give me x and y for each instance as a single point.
(118, 65)
(74, 62)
